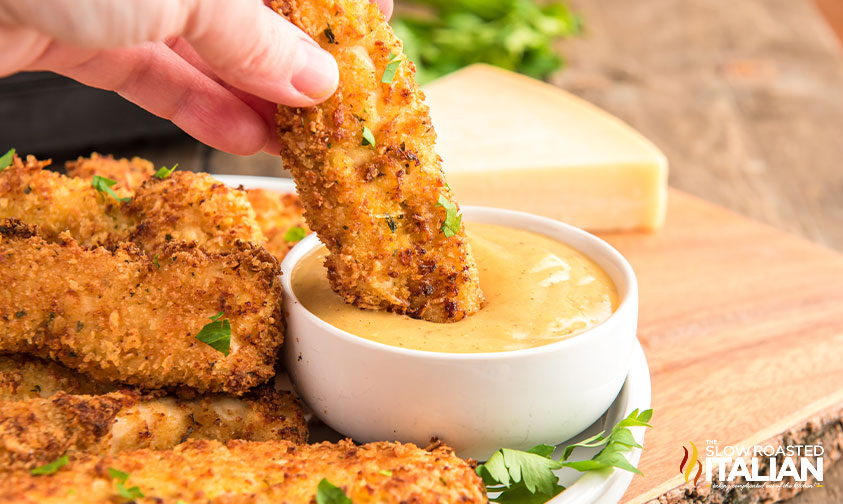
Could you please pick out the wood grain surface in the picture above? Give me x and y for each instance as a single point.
(742, 327)
(745, 98)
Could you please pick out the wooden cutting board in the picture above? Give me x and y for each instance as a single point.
(742, 326)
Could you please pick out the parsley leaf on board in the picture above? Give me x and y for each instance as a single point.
(51, 467)
(368, 137)
(103, 185)
(165, 172)
(217, 334)
(527, 477)
(294, 234)
(328, 493)
(6, 159)
(453, 219)
(391, 68)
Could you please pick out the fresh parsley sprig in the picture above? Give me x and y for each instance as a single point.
(526, 477)
(391, 68)
(50, 468)
(121, 477)
(328, 493)
(295, 234)
(6, 159)
(445, 35)
(165, 172)
(453, 219)
(368, 137)
(217, 334)
(104, 184)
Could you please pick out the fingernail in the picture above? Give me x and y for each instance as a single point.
(316, 73)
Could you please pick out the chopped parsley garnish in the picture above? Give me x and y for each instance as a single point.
(527, 476)
(391, 68)
(51, 467)
(165, 172)
(121, 477)
(391, 223)
(329, 33)
(155, 261)
(294, 234)
(6, 159)
(328, 493)
(368, 137)
(117, 474)
(453, 219)
(36, 389)
(217, 334)
(103, 184)
(20, 314)
(385, 472)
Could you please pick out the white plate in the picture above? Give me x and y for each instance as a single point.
(606, 487)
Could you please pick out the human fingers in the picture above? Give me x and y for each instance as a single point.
(154, 77)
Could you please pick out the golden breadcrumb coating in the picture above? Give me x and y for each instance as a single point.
(186, 206)
(128, 173)
(121, 316)
(276, 213)
(34, 432)
(26, 377)
(258, 472)
(56, 203)
(375, 206)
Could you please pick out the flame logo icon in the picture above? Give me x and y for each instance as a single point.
(686, 467)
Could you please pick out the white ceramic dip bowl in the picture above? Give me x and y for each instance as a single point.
(476, 403)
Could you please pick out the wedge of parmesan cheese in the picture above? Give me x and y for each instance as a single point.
(513, 142)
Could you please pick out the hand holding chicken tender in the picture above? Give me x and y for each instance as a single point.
(371, 183)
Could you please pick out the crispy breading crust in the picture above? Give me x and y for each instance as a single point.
(34, 432)
(128, 173)
(187, 206)
(375, 207)
(120, 317)
(56, 203)
(276, 213)
(260, 472)
(25, 377)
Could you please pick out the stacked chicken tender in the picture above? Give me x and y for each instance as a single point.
(103, 297)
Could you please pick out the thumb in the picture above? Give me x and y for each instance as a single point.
(254, 49)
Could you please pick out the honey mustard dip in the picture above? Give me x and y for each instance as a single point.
(538, 291)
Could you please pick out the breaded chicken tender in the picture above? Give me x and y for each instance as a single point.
(122, 316)
(276, 213)
(365, 168)
(26, 377)
(186, 206)
(34, 432)
(56, 203)
(258, 472)
(128, 173)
